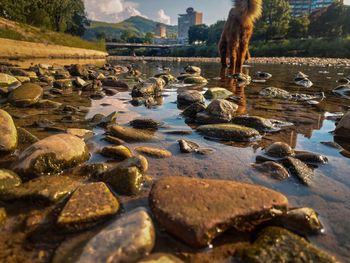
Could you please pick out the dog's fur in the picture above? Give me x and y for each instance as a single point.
(238, 29)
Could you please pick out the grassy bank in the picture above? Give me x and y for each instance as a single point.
(23, 32)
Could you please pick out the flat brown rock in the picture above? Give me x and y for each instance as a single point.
(196, 211)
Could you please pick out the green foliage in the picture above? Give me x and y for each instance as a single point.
(215, 31)
(11, 34)
(198, 33)
(298, 27)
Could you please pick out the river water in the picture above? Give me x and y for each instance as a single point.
(329, 193)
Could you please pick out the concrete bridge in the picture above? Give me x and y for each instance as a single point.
(113, 45)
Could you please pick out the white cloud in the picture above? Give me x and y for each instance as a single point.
(111, 10)
(163, 18)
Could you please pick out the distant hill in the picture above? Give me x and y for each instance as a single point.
(137, 24)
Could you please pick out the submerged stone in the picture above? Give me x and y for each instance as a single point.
(8, 131)
(127, 239)
(187, 146)
(258, 123)
(229, 132)
(276, 244)
(131, 134)
(299, 169)
(145, 123)
(274, 169)
(196, 211)
(8, 180)
(26, 95)
(189, 97)
(119, 152)
(342, 91)
(311, 158)
(217, 93)
(88, 205)
(52, 155)
(154, 152)
(195, 80)
(279, 150)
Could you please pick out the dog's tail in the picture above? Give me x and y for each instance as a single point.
(249, 8)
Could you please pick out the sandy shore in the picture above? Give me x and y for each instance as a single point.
(13, 49)
(258, 60)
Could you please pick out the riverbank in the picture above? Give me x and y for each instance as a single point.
(13, 49)
(257, 60)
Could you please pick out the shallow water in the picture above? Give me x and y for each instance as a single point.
(329, 194)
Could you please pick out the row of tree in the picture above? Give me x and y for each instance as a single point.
(58, 15)
(277, 23)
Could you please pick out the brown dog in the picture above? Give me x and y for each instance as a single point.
(238, 29)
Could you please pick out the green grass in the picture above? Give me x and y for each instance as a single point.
(11, 34)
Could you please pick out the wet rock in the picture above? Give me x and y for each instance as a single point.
(276, 244)
(62, 74)
(8, 131)
(131, 134)
(204, 151)
(344, 81)
(263, 75)
(342, 91)
(168, 78)
(46, 188)
(78, 71)
(26, 95)
(183, 76)
(218, 111)
(80, 83)
(311, 158)
(229, 132)
(258, 123)
(161, 258)
(299, 169)
(145, 124)
(63, 84)
(193, 70)
(276, 170)
(47, 104)
(105, 121)
(110, 92)
(119, 152)
(137, 161)
(343, 128)
(303, 221)
(279, 150)
(88, 205)
(302, 80)
(52, 155)
(8, 180)
(188, 146)
(195, 80)
(3, 216)
(217, 93)
(7, 80)
(192, 110)
(154, 152)
(127, 239)
(98, 95)
(276, 93)
(93, 170)
(151, 87)
(114, 140)
(196, 211)
(115, 83)
(81, 133)
(189, 97)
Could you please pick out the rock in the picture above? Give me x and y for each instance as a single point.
(168, 78)
(275, 93)
(258, 123)
(127, 239)
(89, 204)
(81, 133)
(105, 121)
(229, 132)
(274, 169)
(302, 80)
(7, 80)
(192, 110)
(46, 188)
(183, 76)
(115, 83)
(193, 70)
(161, 258)
(218, 111)
(151, 87)
(299, 169)
(276, 244)
(131, 134)
(23, 79)
(343, 128)
(63, 84)
(204, 151)
(8, 131)
(80, 83)
(311, 158)
(47, 104)
(139, 161)
(119, 152)
(93, 170)
(196, 211)
(189, 97)
(62, 74)
(26, 95)
(145, 124)
(114, 140)
(3, 216)
(263, 75)
(195, 80)
(52, 155)
(303, 221)
(154, 152)
(241, 79)
(8, 180)
(78, 71)
(217, 93)
(188, 146)
(279, 150)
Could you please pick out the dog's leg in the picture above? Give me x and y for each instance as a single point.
(233, 55)
(243, 50)
(223, 52)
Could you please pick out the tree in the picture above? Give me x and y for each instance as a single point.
(275, 20)
(298, 27)
(215, 31)
(198, 33)
(149, 37)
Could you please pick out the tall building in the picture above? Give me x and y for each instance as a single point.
(185, 21)
(161, 31)
(305, 7)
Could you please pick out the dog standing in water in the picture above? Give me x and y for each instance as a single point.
(238, 29)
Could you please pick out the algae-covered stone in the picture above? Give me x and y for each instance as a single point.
(138, 161)
(217, 93)
(276, 244)
(193, 70)
(8, 131)
(196, 211)
(131, 134)
(25, 137)
(3, 216)
(127, 239)
(8, 180)
(229, 132)
(195, 80)
(299, 169)
(119, 152)
(279, 150)
(145, 123)
(52, 155)
(88, 205)
(161, 258)
(26, 95)
(45, 188)
(154, 152)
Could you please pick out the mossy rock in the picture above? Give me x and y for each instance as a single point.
(217, 93)
(8, 180)
(195, 80)
(131, 134)
(154, 152)
(26, 95)
(276, 244)
(119, 152)
(25, 137)
(8, 131)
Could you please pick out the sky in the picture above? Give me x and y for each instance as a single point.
(165, 11)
